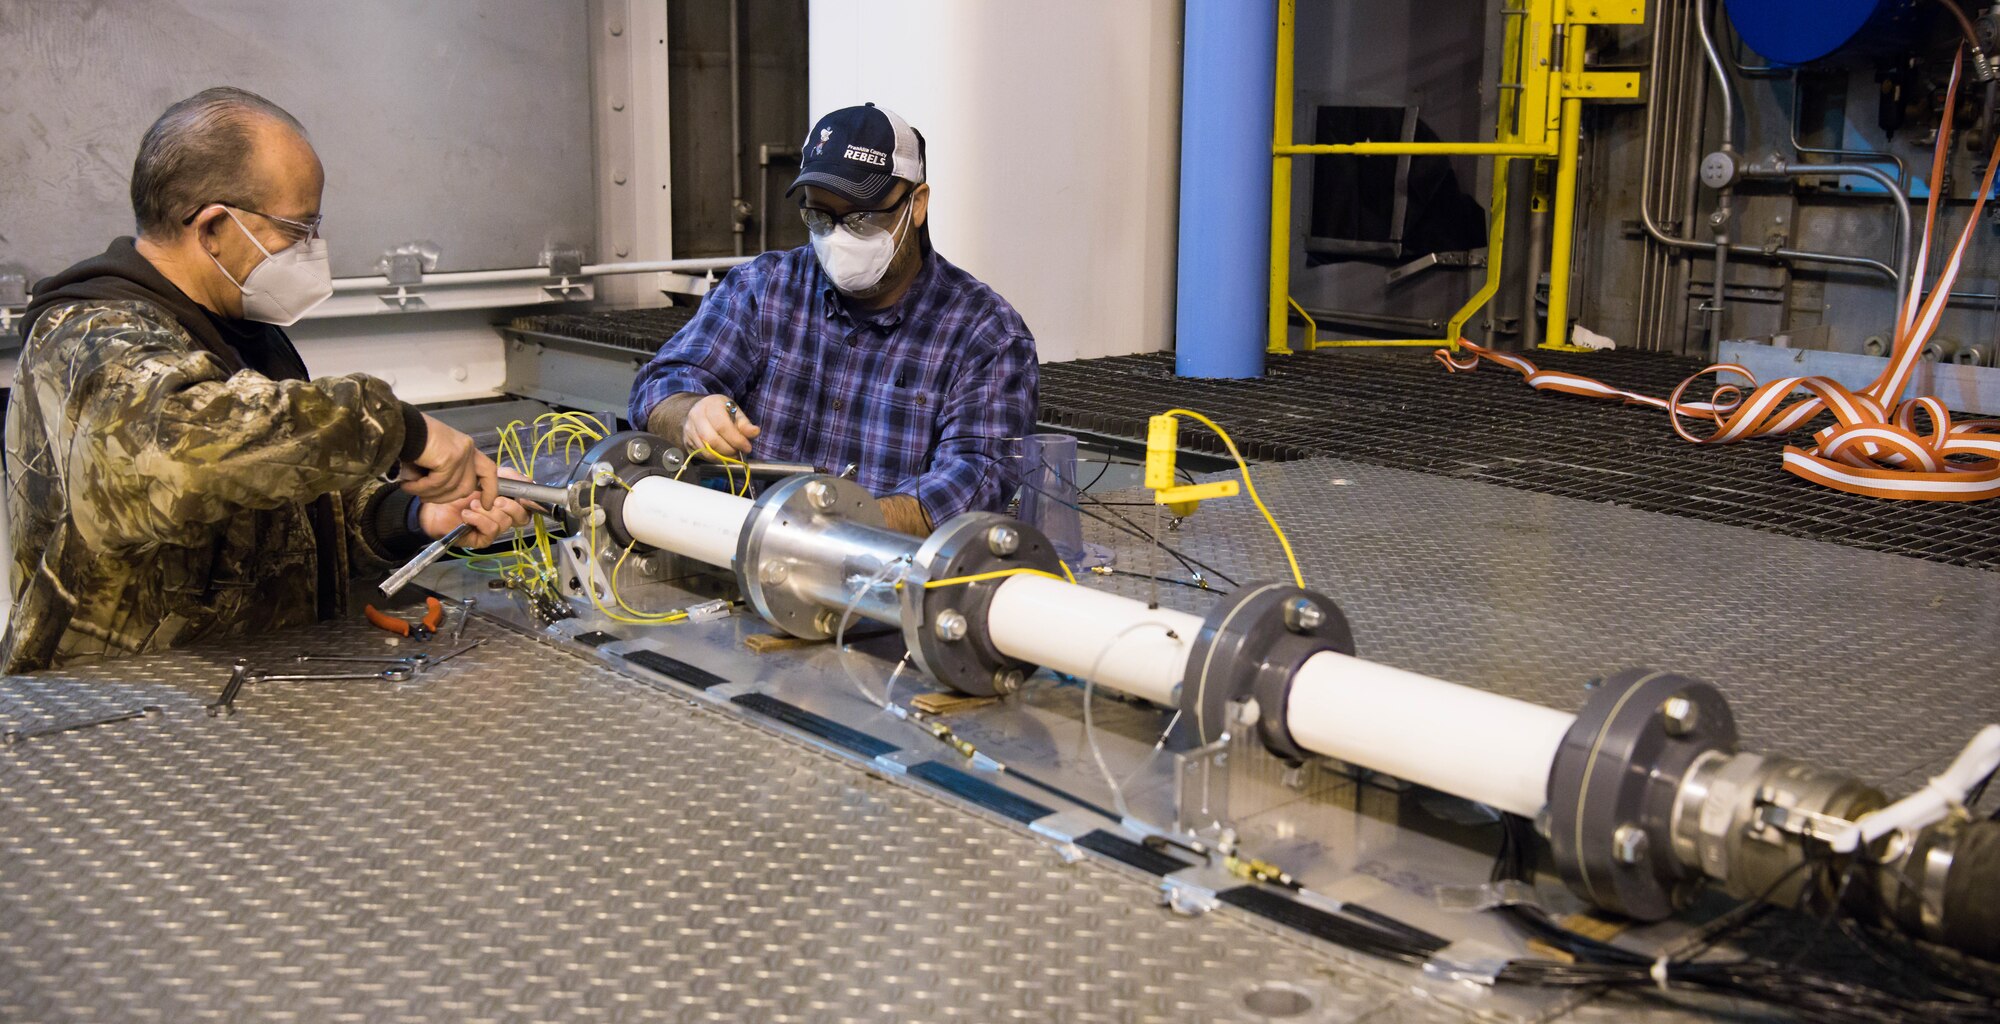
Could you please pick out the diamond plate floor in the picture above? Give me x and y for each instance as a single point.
(1871, 662)
(524, 836)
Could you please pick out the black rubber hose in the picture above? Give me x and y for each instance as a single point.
(1971, 921)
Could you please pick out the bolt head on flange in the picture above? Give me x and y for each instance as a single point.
(1303, 616)
(1679, 715)
(820, 496)
(951, 625)
(1007, 680)
(1003, 541)
(639, 450)
(1629, 843)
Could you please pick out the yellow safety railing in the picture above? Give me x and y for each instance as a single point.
(1540, 119)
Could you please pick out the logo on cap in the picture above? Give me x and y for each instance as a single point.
(824, 135)
(867, 156)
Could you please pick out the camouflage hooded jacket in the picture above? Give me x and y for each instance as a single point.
(160, 496)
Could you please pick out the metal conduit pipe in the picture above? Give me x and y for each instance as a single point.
(692, 266)
(739, 211)
(1779, 170)
(1649, 164)
(1725, 195)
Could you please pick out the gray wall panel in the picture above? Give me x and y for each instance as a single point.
(467, 124)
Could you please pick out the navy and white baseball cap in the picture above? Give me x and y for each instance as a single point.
(858, 153)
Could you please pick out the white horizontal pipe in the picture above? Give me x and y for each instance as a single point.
(1470, 743)
(699, 522)
(355, 284)
(1069, 629)
(1467, 742)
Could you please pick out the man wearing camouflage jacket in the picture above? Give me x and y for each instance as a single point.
(176, 477)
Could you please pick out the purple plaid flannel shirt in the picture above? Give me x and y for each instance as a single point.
(925, 397)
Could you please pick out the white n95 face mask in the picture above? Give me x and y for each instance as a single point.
(287, 284)
(858, 262)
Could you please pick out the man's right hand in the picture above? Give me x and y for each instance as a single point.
(716, 422)
(450, 468)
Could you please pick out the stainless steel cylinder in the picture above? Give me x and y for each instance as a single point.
(815, 546)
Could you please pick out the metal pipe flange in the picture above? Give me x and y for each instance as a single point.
(945, 626)
(1616, 781)
(633, 455)
(1251, 645)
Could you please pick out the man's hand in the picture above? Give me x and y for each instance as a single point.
(905, 514)
(449, 469)
(715, 421)
(489, 523)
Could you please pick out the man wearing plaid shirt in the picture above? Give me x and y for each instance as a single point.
(866, 349)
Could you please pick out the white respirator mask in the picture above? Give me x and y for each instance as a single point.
(855, 261)
(289, 282)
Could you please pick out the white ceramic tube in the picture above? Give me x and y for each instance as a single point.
(699, 522)
(1070, 629)
(1470, 743)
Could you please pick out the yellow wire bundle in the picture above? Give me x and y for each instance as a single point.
(1297, 577)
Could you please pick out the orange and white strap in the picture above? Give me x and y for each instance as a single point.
(1874, 446)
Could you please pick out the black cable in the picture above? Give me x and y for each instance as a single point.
(1973, 795)
(1149, 576)
(1103, 468)
(1188, 562)
(1813, 995)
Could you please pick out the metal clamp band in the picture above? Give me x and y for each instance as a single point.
(786, 568)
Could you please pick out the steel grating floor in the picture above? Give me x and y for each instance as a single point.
(641, 330)
(1402, 410)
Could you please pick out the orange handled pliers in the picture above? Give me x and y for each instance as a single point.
(423, 629)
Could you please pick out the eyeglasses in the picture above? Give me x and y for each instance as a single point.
(861, 222)
(295, 230)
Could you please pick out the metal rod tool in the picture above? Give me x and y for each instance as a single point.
(545, 495)
(401, 577)
(464, 616)
(13, 736)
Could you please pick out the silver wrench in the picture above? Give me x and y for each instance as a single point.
(464, 615)
(394, 674)
(415, 662)
(442, 658)
(13, 736)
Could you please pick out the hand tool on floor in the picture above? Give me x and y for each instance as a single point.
(442, 658)
(394, 674)
(13, 736)
(422, 629)
(464, 616)
(410, 661)
(241, 674)
(227, 699)
(431, 553)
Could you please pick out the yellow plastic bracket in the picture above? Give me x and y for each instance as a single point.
(1602, 12)
(1601, 85)
(1162, 442)
(1181, 501)
(1162, 434)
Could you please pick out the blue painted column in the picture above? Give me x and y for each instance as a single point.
(1228, 67)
